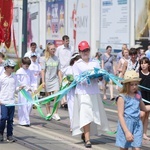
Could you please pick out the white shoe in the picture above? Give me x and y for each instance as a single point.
(48, 115)
(56, 117)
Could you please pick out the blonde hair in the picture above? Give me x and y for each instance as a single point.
(126, 88)
(124, 51)
(47, 53)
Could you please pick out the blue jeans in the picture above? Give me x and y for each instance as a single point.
(6, 114)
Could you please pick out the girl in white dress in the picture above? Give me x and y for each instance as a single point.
(35, 68)
(88, 107)
(70, 94)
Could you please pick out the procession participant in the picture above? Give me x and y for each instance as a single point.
(88, 108)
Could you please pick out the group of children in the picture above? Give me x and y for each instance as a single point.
(85, 105)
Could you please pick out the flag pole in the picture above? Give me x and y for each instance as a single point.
(24, 27)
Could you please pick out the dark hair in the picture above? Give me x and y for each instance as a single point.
(132, 51)
(108, 47)
(77, 57)
(33, 44)
(2, 55)
(26, 61)
(146, 60)
(98, 54)
(65, 37)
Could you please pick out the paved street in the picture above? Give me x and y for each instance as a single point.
(54, 135)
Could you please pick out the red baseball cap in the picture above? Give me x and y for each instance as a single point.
(83, 45)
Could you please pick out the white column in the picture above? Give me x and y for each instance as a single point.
(95, 24)
(132, 23)
(42, 22)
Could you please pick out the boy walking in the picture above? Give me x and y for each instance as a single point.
(7, 91)
(27, 80)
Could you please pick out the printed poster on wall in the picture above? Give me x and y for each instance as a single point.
(33, 24)
(114, 23)
(78, 21)
(142, 22)
(55, 20)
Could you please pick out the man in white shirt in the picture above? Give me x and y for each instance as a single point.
(64, 53)
(33, 50)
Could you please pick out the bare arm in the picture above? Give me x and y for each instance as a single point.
(120, 106)
(43, 77)
(119, 66)
(144, 107)
(102, 64)
(59, 76)
(124, 68)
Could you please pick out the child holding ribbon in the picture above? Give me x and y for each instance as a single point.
(129, 103)
(25, 78)
(8, 86)
(88, 108)
(70, 94)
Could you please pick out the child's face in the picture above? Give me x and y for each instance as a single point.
(10, 69)
(85, 54)
(34, 58)
(144, 65)
(25, 66)
(133, 87)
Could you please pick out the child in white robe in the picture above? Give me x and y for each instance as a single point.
(26, 79)
(35, 68)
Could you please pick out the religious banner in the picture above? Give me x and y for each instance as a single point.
(55, 21)
(6, 21)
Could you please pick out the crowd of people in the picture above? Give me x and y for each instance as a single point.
(86, 111)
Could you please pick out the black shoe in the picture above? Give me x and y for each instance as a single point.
(1, 137)
(26, 125)
(66, 106)
(112, 99)
(83, 137)
(10, 139)
(88, 144)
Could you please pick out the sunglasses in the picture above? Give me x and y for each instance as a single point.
(11, 67)
(53, 49)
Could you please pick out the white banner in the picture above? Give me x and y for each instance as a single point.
(78, 21)
(114, 23)
(33, 23)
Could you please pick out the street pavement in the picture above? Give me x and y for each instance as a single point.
(54, 135)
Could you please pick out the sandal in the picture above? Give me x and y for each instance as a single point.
(83, 137)
(88, 144)
(112, 99)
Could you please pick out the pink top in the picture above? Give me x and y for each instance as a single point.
(83, 87)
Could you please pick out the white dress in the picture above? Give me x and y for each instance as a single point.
(88, 106)
(70, 96)
(25, 78)
(36, 69)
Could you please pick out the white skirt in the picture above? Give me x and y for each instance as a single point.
(89, 109)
